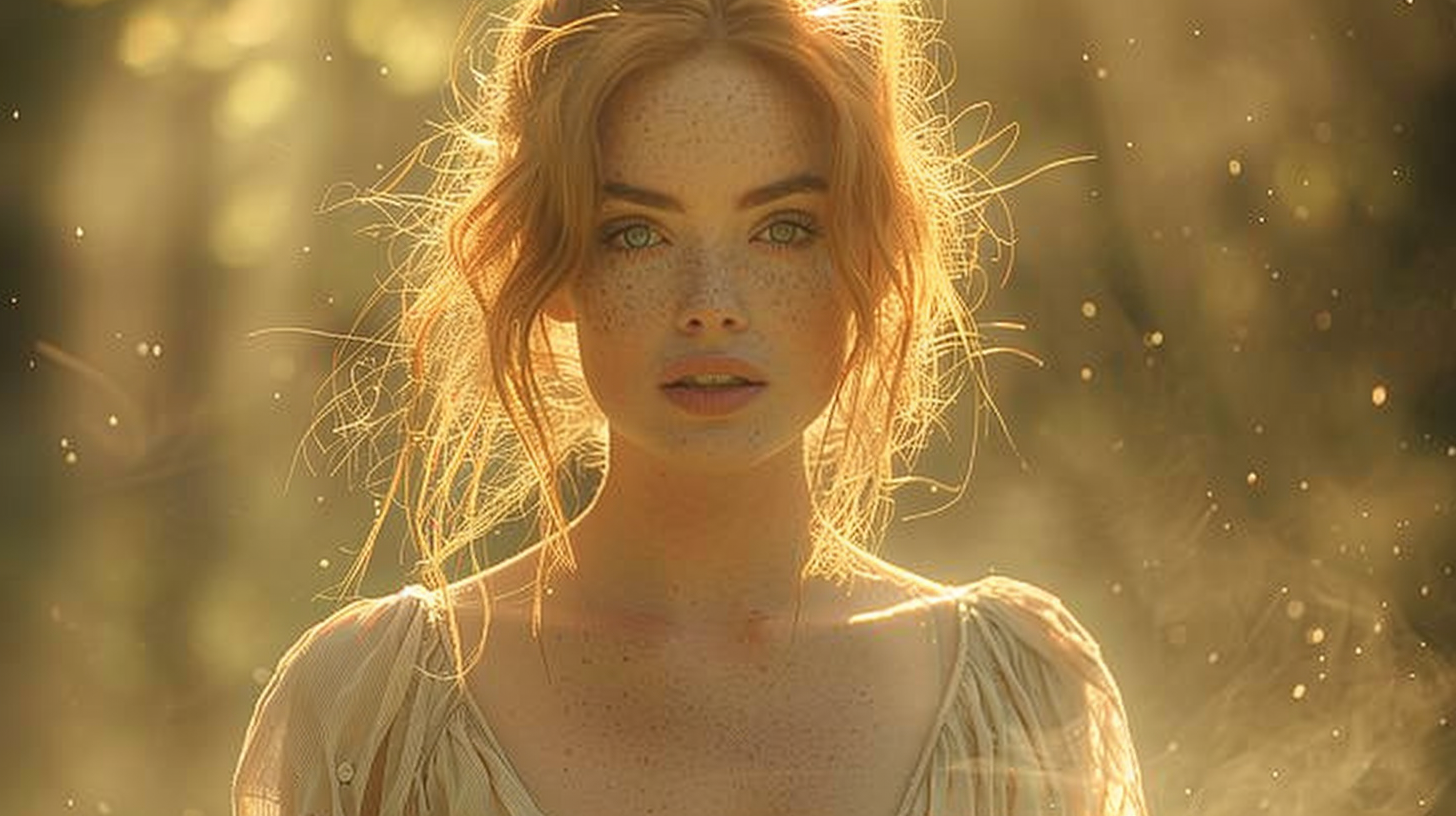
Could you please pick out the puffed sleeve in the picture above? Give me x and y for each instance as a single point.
(1037, 726)
(320, 740)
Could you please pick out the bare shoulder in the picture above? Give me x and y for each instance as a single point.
(506, 589)
(903, 605)
(878, 586)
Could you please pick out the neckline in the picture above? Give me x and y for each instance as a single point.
(913, 784)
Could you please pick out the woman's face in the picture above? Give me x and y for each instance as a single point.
(712, 326)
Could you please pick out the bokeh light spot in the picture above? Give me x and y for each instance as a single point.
(258, 96)
(251, 23)
(150, 40)
(410, 41)
(210, 46)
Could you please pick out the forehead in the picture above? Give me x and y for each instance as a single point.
(713, 116)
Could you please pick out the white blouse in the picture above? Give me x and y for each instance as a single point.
(1030, 723)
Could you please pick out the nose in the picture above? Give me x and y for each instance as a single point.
(699, 319)
(711, 301)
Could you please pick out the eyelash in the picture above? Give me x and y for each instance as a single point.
(612, 234)
(807, 226)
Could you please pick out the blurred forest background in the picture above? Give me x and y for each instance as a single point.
(1238, 464)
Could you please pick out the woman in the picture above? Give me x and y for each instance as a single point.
(714, 246)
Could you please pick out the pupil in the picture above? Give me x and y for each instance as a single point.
(637, 236)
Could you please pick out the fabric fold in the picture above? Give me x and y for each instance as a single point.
(361, 717)
(1038, 725)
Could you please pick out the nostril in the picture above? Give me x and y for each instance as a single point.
(704, 319)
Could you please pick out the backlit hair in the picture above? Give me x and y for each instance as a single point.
(484, 393)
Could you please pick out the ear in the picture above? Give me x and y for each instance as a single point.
(559, 306)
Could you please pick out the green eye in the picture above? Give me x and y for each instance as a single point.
(637, 236)
(788, 232)
(783, 232)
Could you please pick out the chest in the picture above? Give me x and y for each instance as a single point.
(834, 725)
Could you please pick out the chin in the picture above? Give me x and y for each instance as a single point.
(715, 451)
(721, 462)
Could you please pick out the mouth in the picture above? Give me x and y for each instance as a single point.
(711, 371)
(711, 385)
(711, 381)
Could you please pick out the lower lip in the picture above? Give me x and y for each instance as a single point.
(712, 401)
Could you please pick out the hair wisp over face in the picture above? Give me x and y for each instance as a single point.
(494, 414)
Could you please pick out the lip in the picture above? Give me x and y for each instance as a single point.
(712, 364)
(711, 402)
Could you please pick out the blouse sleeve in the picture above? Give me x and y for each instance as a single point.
(1040, 725)
(320, 737)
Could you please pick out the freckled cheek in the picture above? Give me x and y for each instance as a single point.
(805, 296)
(612, 300)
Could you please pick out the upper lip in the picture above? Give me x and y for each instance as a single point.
(684, 367)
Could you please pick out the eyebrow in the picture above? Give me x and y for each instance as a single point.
(757, 197)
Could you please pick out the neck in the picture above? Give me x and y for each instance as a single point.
(688, 549)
